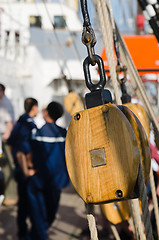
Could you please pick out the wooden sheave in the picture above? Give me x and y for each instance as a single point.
(116, 212)
(102, 154)
(142, 140)
(141, 114)
(119, 212)
(73, 103)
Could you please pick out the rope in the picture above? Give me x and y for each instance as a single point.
(141, 92)
(115, 39)
(91, 222)
(135, 213)
(108, 43)
(115, 232)
(142, 191)
(107, 32)
(88, 30)
(134, 204)
(135, 78)
(155, 201)
(131, 223)
(144, 203)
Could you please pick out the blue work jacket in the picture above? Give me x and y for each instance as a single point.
(20, 138)
(48, 148)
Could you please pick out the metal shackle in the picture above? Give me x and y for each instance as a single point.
(91, 86)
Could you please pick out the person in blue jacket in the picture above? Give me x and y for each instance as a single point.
(19, 142)
(44, 188)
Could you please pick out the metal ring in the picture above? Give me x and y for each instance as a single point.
(100, 85)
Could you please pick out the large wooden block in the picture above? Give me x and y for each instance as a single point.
(142, 139)
(102, 154)
(141, 114)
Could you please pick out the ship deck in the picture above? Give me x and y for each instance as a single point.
(71, 222)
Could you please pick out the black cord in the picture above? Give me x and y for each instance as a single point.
(85, 13)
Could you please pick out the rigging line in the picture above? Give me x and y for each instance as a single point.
(105, 26)
(126, 57)
(115, 38)
(50, 43)
(57, 39)
(73, 43)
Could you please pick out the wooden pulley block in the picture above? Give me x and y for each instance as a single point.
(142, 140)
(102, 154)
(116, 212)
(141, 114)
(73, 103)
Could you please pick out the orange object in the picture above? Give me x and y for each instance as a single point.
(144, 51)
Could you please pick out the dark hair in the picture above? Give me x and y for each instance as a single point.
(55, 110)
(2, 87)
(29, 103)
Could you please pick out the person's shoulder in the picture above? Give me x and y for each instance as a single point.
(27, 121)
(23, 119)
(61, 129)
(52, 129)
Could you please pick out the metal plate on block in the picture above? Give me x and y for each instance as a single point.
(98, 157)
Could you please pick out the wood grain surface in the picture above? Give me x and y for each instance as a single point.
(73, 103)
(102, 154)
(142, 140)
(141, 114)
(116, 212)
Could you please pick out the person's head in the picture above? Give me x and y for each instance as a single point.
(53, 112)
(2, 90)
(31, 106)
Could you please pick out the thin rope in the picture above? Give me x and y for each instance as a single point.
(142, 191)
(143, 196)
(91, 222)
(141, 92)
(155, 201)
(130, 221)
(108, 43)
(144, 203)
(134, 203)
(136, 218)
(111, 14)
(115, 232)
(135, 78)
